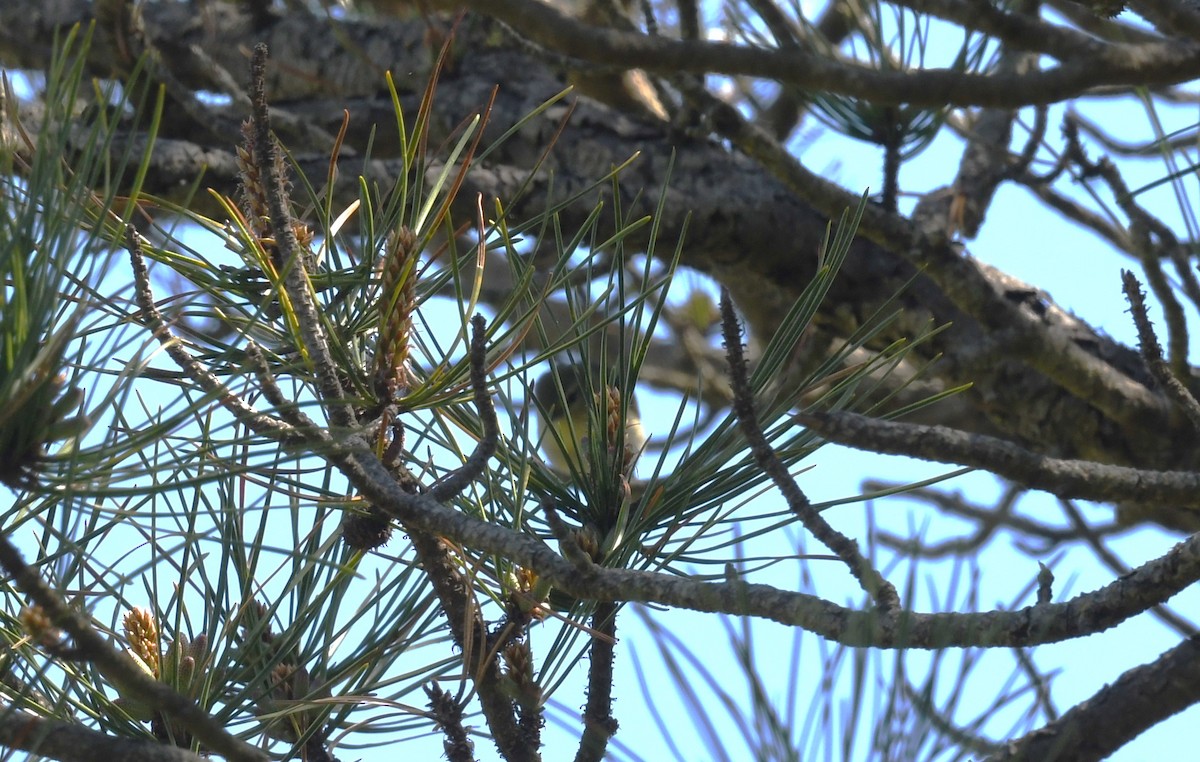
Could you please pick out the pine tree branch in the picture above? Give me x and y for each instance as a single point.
(69, 742)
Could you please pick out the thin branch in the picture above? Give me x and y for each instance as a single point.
(454, 589)
(1037, 135)
(1147, 64)
(1152, 149)
(967, 741)
(71, 742)
(598, 723)
(1068, 207)
(270, 388)
(448, 714)
(1020, 32)
(1103, 28)
(469, 632)
(689, 19)
(455, 482)
(1170, 16)
(1144, 227)
(1154, 582)
(1055, 355)
(847, 550)
(989, 521)
(1152, 352)
(1039, 682)
(986, 160)
(153, 319)
(1064, 478)
(119, 668)
(290, 259)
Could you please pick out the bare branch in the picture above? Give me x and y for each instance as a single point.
(1095, 728)
(1146, 64)
(471, 470)
(1065, 478)
(1152, 351)
(598, 723)
(289, 259)
(882, 591)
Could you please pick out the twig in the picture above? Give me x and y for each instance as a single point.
(119, 668)
(966, 740)
(989, 520)
(1039, 682)
(1076, 212)
(1037, 134)
(270, 389)
(448, 714)
(868, 577)
(1045, 584)
(1143, 228)
(290, 259)
(153, 319)
(598, 723)
(456, 481)
(1064, 478)
(1152, 352)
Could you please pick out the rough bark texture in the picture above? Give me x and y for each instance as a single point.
(747, 228)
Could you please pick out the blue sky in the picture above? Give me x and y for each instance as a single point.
(1081, 273)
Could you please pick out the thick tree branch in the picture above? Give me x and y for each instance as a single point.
(69, 742)
(1096, 728)
(1149, 585)
(1146, 64)
(1039, 375)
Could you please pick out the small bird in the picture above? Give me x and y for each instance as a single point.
(574, 412)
